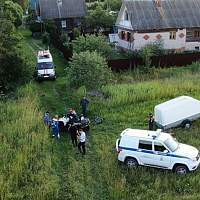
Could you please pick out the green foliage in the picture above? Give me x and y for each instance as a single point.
(22, 3)
(92, 43)
(26, 160)
(88, 69)
(113, 5)
(154, 49)
(35, 26)
(46, 38)
(99, 18)
(14, 12)
(15, 66)
(76, 32)
(65, 39)
(15, 69)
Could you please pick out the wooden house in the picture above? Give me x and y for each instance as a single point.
(66, 13)
(174, 23)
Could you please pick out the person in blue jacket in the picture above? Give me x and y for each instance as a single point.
(55, 127)
(46, 118)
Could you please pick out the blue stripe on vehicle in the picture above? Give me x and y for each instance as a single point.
(152, 152)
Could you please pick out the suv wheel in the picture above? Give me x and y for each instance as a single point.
(186, 123)
(131, 162)
(181, 169)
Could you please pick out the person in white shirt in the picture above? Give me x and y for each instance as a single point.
(81, 144)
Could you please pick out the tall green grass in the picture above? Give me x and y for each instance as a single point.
(127, 105)
(25, 152)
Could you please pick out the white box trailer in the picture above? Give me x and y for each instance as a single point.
(180, 111)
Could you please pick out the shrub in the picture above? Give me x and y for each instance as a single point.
(14, 12)
(46, 38)
(35, 27)
(88, 69)
(92, 43)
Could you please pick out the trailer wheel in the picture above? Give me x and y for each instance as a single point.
(186, 123)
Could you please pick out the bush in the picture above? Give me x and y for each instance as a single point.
(14, 12)
(88, 69)
(35, 27)
(92, 43)
(15, 69)
(46, 38)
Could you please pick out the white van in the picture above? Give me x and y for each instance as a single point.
(180, 111)
(45, 68)
(156, 149)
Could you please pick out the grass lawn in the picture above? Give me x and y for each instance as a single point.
(126, 104)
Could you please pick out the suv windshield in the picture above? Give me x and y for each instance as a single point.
(45, 65)
(171, 143)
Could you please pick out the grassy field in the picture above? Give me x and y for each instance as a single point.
(125, 103)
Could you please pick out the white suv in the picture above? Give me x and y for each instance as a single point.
(156, 149)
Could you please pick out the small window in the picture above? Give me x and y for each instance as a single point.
(159, 147)
(197, 48)
(126, 18)
(145, 145)
(172, 35)
(197, 34)
(123, 35)
(128, 36)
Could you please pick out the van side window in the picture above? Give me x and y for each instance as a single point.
(145, 145)
(159, 147)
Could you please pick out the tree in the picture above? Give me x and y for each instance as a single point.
(92, 43)
(154, 49)
(99, 18)
(13, 12)
(15, 68)
(113, 5)
(22, 3)
(88, 69)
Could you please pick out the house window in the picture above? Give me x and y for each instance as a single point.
(123, 35)
(197, 34)
(128, 36)
(126, 18)
(172, 35)
(145, 145)
(63, 24)
(197, 48)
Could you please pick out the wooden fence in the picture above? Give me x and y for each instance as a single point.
(163, 61)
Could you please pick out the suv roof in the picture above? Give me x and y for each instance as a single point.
(146, 134)
(44, 56)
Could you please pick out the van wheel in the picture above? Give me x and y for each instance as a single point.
(131, 162)
(181, 169)
(186, 123)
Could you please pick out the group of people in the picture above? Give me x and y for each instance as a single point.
(71, 123)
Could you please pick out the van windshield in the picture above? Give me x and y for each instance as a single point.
(171, 143)
(45, 65)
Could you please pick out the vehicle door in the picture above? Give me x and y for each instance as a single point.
(161, 155)
(145, 152)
